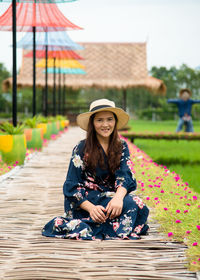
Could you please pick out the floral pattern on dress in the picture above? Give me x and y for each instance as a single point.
(77, 161)
(138, 201)
(99, 188)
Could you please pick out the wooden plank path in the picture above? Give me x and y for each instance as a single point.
(32, 195)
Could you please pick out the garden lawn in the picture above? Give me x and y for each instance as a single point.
(158, 126)
(177, 206)
(182, 156)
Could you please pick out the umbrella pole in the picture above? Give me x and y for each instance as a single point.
(46, 82)
(63, 94)
(54, 86)
(124, 99)
(34, 73)
(14, 74)
(59, 93)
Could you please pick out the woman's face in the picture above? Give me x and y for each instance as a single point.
(104, 123)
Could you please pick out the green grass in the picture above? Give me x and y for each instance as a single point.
(189, 173)
(182, 156)
(142, 126)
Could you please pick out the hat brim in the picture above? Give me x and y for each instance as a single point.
(122, 117)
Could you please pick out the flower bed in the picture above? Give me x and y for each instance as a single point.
(161, 135)
(177, 206)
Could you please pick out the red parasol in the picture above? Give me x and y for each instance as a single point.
(62, 54)
(42, 16)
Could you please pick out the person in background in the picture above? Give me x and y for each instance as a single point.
(184, 104)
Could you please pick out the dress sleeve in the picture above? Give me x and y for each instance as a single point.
(124, 177)
(73, 187)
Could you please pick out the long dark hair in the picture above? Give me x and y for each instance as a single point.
(93, 150)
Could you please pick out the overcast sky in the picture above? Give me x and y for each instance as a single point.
(170, 27)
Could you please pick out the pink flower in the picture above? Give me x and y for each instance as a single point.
(185, 211)
(170, 234)
(165, 209)
(188, 231)
(199, 259)
(147, 198)
(177, 178)
(156, 198)
(16, 162)
(188, 204)
(162, 191)
(178, 211)
(194, 263)
(178, 221)
(195, 244)
(198, 227)
(194, 197)
(198, 206)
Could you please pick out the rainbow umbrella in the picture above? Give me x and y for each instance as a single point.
(60, 54)
(15, 16)
(51, 41)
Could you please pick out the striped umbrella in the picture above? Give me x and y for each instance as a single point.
(15, 17)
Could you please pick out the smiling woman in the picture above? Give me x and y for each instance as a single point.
(99, 203)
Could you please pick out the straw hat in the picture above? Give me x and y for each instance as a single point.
(185, 89)
(99, 106)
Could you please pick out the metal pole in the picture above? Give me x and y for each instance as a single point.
(46, 82)
(14, 74)
(54, 86)
(34, 73)
(59, 92)
(124, 99)
(63, 111)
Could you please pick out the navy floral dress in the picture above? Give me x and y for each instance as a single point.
(81, 185)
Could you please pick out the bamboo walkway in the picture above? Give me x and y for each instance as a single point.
(32, 195)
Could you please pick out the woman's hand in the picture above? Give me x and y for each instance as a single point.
(97, 213)
(114, 207)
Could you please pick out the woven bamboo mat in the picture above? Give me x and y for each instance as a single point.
(32, 196)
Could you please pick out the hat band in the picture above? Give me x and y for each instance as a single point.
(99, 107)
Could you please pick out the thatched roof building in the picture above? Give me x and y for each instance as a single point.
(108, 65)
